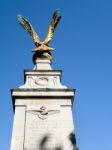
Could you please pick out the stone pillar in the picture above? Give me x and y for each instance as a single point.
(18, 128)
(43, 111)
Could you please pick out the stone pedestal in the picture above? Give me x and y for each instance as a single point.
(43, 115)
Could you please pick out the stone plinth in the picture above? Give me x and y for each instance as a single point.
(43, 111)
(42, 64)
(43, 79)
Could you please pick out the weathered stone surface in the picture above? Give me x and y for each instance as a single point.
(43, 79)
(56, 126)
(37, 128)
(42, 64)
(43, 115)
(18, 129)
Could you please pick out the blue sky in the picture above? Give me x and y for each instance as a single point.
(83, 50)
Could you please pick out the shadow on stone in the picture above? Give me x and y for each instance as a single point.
(58, 148)
(72, 138)
(43, 142)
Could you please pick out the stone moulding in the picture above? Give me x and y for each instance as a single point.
(43, 79)
(44, 93)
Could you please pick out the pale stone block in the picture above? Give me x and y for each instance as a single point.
(42, 101)
(43, 79)
(37, 128)
(43, 93)
(18, 129)
(42, 64)
(42, 110)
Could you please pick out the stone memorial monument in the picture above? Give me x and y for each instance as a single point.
(42, 106)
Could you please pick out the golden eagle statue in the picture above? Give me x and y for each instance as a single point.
(42, 48)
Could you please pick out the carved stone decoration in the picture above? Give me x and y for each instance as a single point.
(42, 82)
(43, 113)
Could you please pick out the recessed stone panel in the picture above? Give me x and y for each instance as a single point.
(42, 128)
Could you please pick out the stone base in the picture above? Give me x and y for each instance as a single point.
(43, 111)
(43, 119)
(42, 64)
(35, 79)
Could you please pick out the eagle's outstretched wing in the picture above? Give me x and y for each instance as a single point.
(28, 27)
(55, 19)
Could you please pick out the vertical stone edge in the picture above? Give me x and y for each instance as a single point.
(17, 142)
